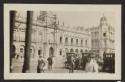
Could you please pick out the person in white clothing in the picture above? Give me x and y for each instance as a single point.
(91, 65)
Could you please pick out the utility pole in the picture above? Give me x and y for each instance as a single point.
(55, 33)
(12, 25)
(55, 27)
(26, 65)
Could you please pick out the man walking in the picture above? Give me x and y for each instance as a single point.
(50, 62)
(41, 64)
(71, 64)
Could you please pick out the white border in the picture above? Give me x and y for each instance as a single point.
(62, 76)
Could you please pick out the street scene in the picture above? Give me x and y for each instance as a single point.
(62, 42)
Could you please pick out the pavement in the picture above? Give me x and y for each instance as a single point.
(18, 64)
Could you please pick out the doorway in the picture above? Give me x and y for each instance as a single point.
(51, 52)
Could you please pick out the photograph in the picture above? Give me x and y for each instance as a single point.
(62, 41)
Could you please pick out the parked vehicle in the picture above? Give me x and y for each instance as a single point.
(68, 57)
(109, 62)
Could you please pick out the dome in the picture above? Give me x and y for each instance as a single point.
(103, 18)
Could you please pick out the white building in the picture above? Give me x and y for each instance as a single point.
(103, 37)
(49, 38)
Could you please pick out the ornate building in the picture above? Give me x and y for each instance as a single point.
(49, 38)
(102, 37)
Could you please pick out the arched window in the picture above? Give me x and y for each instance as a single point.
(86, 43)
(51, 52)
(66, 40)
(60, 52)
(86, 50)
(76, 41)
(60, 39)
(81, 51)
(66, 50)
(76, 50)
(39, 52)
(81, 42)
(21, 50)
(71, 41)
(71, 50)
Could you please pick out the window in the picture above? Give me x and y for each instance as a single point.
(77, 51)
(66, 40)
(97, 34)
(71, 50)
(86, 42)
(60, 52)
(81, 50)
(81, 42)
(42, 16)
(77, 41)
(104, 34)
(39, 52)
(66, 50)
(94, 34)
(86, 50)
(60, 39)
(71, 41)
(21, 50)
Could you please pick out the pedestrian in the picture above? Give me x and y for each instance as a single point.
(71, 64)
(91, 65)
(12, 55)
(84, 61)
(41, 64)
(77, 60)
(50, 62)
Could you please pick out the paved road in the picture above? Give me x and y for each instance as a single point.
(17, 67)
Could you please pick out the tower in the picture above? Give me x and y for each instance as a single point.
(105, 33)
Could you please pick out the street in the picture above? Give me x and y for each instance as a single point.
(17, 68)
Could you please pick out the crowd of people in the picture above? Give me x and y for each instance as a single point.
(42, 65)
(86, 63)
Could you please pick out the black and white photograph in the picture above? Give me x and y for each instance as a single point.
(62, 41)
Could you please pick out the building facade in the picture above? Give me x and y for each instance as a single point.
(49, 38)
(103, 37)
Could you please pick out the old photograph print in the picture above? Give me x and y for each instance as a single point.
(63, 42)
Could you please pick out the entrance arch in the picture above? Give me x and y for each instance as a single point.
(71, 50)
(51, 51)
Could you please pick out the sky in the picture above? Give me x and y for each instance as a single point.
(85, 19)
(81, 18)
